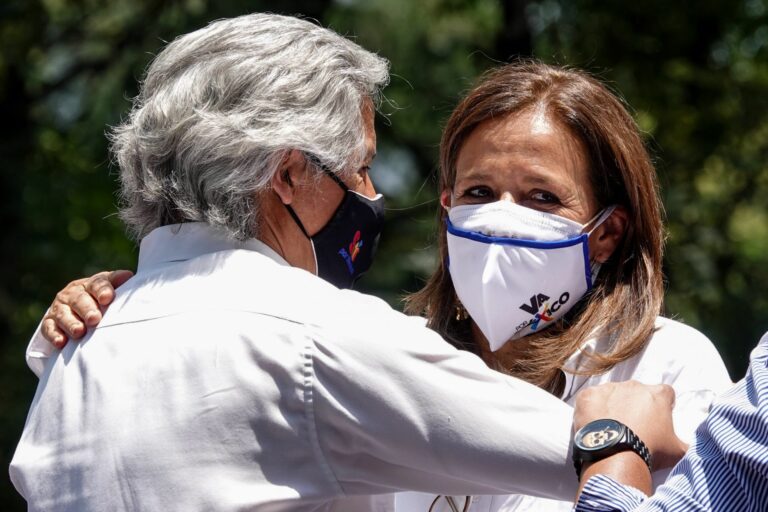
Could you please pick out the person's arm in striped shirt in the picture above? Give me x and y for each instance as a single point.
(725, 469)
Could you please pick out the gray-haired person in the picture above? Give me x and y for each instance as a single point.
(234, 371)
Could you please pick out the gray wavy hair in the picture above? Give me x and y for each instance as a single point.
(219, 109)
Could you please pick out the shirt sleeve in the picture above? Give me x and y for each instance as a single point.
(691, 364)
(401, 409)
(38, 351)
(603, 494)
(726, 467)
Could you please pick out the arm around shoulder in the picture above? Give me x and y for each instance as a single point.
(398, 408)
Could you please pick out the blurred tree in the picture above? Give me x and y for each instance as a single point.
(695, 77)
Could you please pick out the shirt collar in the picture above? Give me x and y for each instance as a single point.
(180, 242)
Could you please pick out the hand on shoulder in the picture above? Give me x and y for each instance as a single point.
(77, 307)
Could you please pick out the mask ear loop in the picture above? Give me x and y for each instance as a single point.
(317, 163)
(297, 220)
(335, 178)
(599, 218)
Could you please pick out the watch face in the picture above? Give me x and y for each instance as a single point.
(599, 434)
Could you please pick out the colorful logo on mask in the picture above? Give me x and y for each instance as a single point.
(544, 314)
(354, 250)
(354, 247)
(541, 310)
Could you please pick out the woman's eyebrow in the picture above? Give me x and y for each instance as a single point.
(540, 175)
(479, 174)
(540, 179)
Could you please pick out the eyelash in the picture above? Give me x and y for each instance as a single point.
(552, 198)
(472, 192)
(475, 193)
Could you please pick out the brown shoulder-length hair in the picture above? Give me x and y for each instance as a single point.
(628, 293)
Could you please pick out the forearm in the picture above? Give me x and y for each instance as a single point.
(438, 420)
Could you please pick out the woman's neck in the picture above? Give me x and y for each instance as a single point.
(507, 356)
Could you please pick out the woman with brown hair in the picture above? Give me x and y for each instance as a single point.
(550, 251)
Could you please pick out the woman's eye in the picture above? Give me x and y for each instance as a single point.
(478, 192)
(545, 197)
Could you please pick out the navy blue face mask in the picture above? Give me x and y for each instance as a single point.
(345, 246)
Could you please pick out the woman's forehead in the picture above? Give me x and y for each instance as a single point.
(531, 142)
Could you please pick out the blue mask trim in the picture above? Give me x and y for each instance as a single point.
(520, 242)
(587, 266)
(502, 240)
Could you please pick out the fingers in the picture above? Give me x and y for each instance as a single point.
(622, 401)
(663, 394)
(99, 290)
(61, 323)
(668, 392)
(119, 277)
(102, 286)
(86, 308)
(646, 409)
(77, 306)
(52, 333)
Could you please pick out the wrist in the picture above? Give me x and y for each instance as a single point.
(625, 467)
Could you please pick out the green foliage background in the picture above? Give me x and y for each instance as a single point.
(695, 75)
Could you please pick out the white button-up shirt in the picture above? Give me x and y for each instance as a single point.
(222, 379)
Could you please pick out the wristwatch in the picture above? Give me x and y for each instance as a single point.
(602, 438)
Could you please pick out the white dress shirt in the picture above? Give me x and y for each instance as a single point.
(222, 379)
(676, 354)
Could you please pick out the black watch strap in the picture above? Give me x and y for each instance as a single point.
(638, 446)
(629, 441)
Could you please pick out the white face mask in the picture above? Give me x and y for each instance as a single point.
(517, 270)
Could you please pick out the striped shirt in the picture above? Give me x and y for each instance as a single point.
(726, 469)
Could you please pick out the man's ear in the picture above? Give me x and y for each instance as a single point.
(607, 236)
(290, 172)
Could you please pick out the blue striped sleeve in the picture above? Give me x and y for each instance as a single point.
(602, 494)
(726, 468)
